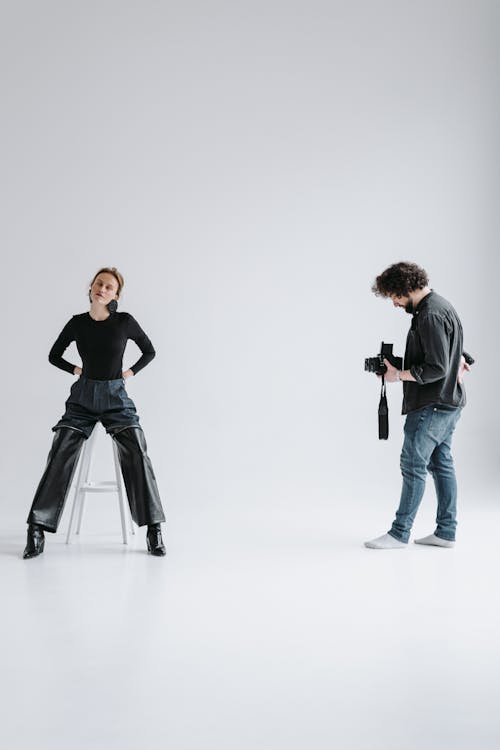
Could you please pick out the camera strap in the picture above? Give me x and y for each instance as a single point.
(383, 414)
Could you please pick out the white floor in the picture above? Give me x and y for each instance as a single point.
(260, 631)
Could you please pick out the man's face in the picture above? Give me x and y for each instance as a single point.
(404, 302)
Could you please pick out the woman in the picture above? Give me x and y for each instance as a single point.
(99, 395)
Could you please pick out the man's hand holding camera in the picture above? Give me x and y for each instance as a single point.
(392, 374)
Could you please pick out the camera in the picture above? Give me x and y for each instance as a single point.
(376, 364)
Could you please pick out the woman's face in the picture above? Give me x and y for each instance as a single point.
(104, 288)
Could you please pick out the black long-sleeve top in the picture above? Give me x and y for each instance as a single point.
(101, 345)
(434, 347)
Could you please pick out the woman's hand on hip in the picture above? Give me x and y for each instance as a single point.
(77, 370)
(127, 374)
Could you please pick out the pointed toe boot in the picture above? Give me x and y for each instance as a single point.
(154, 541)
(35, 543)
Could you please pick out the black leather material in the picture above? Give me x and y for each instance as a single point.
(35, 542)
(50, 496)
(155, 541)
(139, 478)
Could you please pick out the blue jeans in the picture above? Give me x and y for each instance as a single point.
(427, 448)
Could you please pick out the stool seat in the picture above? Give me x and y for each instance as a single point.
(84, 485)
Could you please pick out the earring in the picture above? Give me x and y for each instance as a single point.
(112, 306)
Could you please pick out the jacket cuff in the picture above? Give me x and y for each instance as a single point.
(417, 374)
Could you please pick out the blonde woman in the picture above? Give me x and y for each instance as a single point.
(99, 395)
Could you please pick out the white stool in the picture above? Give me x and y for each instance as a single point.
(84, 484)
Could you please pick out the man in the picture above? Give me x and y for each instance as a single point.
(433, 397)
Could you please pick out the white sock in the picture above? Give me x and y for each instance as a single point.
(386, 541)
(435, 541)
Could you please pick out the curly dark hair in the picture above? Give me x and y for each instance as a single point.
(400, 279)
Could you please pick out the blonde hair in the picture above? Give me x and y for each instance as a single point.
(114, 272)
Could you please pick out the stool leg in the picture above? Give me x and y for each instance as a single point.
(78, 496)
(121, 498)
(83, 476)
(119, 484)
(86, 476)
(83, 483)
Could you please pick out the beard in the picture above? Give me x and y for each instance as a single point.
(409, 307)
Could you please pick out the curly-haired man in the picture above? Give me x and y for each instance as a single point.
(433, 397)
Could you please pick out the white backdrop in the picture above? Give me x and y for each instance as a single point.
(250, 167)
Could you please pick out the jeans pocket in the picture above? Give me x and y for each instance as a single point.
(443, 421)
(446, 409)
(415, 419)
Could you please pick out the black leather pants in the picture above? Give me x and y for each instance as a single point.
(50, 496)
(138, 475)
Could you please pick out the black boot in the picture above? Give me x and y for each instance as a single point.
(36, 541)
(155, 541)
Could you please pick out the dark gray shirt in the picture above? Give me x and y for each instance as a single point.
(434, 347)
